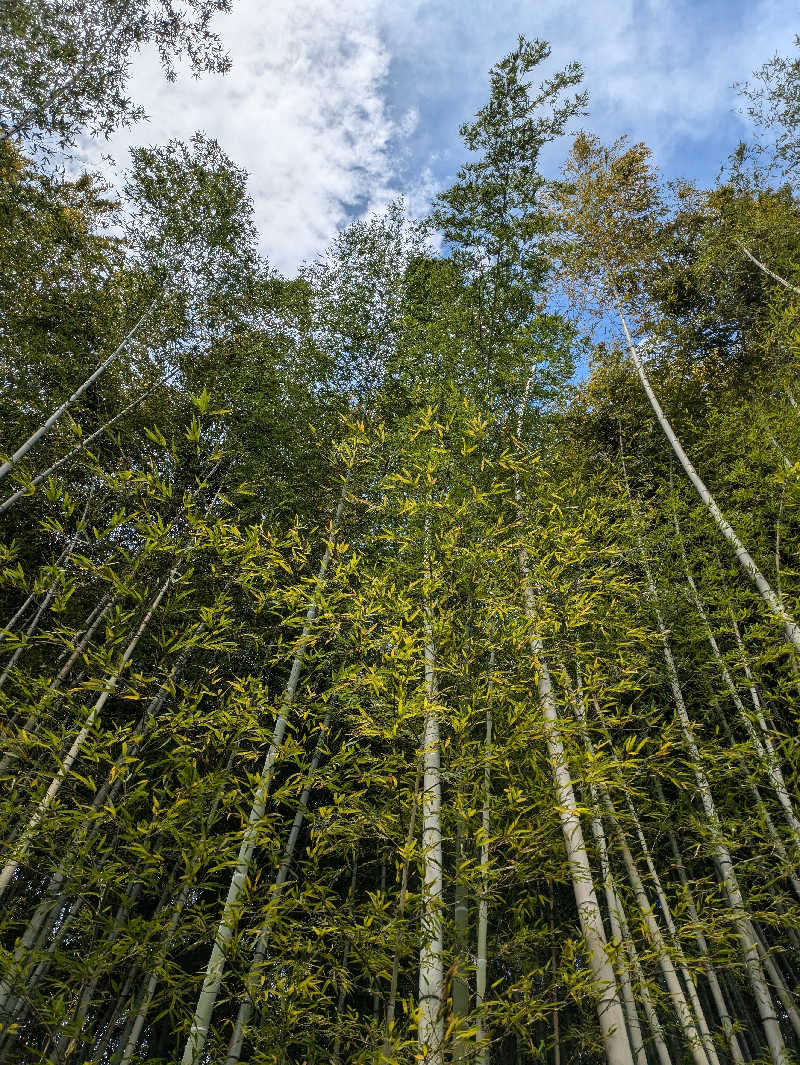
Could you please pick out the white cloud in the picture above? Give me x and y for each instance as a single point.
(302, 110)
(409, 121)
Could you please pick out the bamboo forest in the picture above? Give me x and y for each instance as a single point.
(399, 658)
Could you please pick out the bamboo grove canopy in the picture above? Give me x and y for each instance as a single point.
(400, 660)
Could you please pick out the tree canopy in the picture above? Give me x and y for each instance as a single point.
(377, 686)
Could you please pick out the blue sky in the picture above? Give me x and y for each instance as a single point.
(336, 106)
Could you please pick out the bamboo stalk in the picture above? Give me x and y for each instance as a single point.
(430, 1024)
(743, 556)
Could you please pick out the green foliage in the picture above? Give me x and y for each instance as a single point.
(773, 103)
(292, 524)
(65, 64)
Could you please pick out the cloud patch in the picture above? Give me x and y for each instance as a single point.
(303, 110)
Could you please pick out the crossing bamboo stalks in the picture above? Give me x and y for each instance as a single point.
(609, 1005)
(198, 1032)
(70, 1039)
(642, 986)
(779, 585)
(105, 1029)
(15, 1010)
(719, 850)
(27, 489)
(62, 558)
(46, 913)
(763, 813)
(92, 622)
(666, 911)
(49, 596)
(31, 629)
(683, 1013)
(262, 942)
(139, 1017)
(766, 733)
(760, 738)
(49, 699)
(23, 843)
(710, 972)
(613, 903)
(59, 413)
